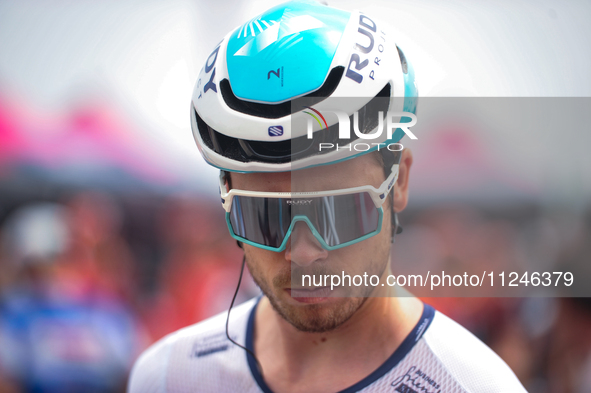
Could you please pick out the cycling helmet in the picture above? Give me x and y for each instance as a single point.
(243, 112)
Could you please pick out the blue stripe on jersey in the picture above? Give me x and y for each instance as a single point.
(407, 345)
(252, 364)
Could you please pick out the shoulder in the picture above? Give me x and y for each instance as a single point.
(475, 366)
(175, 356)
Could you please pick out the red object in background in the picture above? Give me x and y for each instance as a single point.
(90, 137)
(11, 141)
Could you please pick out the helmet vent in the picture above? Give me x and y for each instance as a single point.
(276, 111)
(289, 150)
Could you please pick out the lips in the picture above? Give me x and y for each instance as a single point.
(309, 296)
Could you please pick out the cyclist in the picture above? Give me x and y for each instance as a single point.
(300, 211)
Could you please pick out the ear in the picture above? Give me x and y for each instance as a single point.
(228, 180)
(401, 187)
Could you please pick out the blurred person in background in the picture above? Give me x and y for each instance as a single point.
(98, 251)
(567, 345)
(58, 331)
(457, 238)
(197, 276)
(544, 340)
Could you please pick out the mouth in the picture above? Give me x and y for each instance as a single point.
(309, 295)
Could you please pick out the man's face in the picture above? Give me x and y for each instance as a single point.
(272, 271)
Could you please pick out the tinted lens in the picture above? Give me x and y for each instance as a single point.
(338, 219)
(263, 221)
(342, 218)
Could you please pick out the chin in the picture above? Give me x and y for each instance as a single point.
(319, 317)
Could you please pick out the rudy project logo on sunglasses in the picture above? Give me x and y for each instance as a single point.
(299, 202)
(393, 122)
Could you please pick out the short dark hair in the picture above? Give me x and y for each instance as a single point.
(386, 159)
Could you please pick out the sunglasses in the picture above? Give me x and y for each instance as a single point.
(336, 218)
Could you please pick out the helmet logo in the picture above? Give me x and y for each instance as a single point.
(276, 73)
(366, 30)
(275, 130)
(273, 31)
(209, 66)
(318, 120)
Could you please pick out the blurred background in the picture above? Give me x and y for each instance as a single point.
(111, 233)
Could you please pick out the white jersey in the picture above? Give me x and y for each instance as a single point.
(438, 356)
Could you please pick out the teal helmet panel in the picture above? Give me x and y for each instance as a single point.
(411, 94)
(285, 52)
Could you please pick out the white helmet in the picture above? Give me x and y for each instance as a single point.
(242, 112)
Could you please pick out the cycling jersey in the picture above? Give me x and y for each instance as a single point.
(438, 356)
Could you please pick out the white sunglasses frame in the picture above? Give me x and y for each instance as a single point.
(378, 195)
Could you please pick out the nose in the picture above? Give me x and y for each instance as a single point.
(303, 248)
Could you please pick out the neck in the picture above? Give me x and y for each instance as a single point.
(357, 347)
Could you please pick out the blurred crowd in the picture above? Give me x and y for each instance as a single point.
(545, 340)
(87, 284)
(90, 279)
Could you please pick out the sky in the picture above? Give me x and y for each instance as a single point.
(143, 57)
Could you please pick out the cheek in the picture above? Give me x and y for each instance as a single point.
(263, 264)
(368, 255)
(385, 234)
